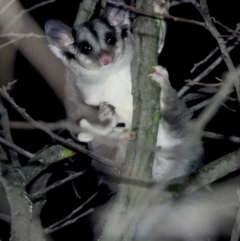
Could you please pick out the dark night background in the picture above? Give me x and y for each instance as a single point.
(185, 45)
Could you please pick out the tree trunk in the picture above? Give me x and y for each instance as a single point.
(20, 205)
(124, 216)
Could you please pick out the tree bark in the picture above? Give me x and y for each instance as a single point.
(21, 206)
(122, 220)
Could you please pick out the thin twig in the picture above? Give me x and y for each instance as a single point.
(200, 105)
(220, 97)
(208, 70)
(59, 125)
(73, 212)
(38, 194)
(220, 80)
(229, 36)
(10, 42)
(203, 84)
(156, 15)
(218, 136)
(203, 9)
(18, 36)
(205, 103)
(225, 27)
(21, 35)
(204, 60)
(75, 191)
(228, 108)
(48, 231)
(16, 148)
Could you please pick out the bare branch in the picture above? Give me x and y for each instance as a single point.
(228, 108)
(160, 16)
(203, 84)
(21, 35)
(73, 212)
(234, 32)
(203, 9)
(9, 42)
(60, 125)
(36, 195)
(16, 148)
(47, 230)
(217, 136)
(200, 105)
(205, 103)
(204, 60)
(220, 97)
(208, 70)
(75, 191)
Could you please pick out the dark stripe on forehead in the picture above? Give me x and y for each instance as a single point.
(105, 22)
(80, 32)
(90, 26)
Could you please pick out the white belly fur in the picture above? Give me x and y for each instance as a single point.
(116, 89)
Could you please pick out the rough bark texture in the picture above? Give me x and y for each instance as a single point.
(122, 220)
(21, 206)
(25, 216)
